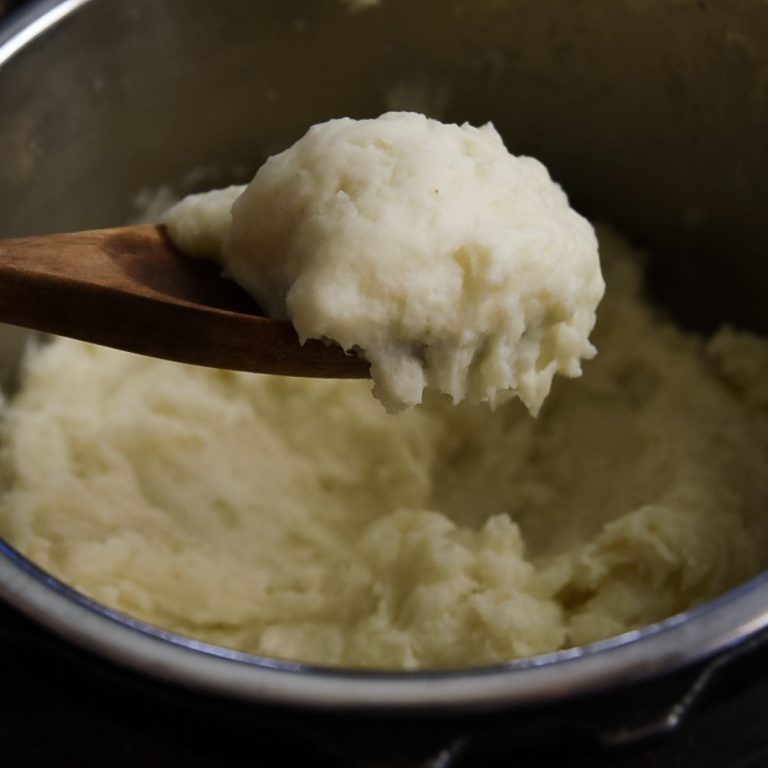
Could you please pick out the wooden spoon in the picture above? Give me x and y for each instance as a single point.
(130, 288)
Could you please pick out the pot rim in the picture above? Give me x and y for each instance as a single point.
(632, 657)
(22, 27)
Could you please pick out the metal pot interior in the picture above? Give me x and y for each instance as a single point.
(653, 115)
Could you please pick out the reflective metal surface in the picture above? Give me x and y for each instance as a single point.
(653, 114)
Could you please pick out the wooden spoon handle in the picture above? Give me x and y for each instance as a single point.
(129, 288)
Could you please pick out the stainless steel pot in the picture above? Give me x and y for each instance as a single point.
(653, 113)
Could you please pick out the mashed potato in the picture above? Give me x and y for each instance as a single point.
(446, 261)
(295, 518)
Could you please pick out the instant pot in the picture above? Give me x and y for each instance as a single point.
(653, 114)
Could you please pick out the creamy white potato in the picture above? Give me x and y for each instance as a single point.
(446, 261)
(295, 518)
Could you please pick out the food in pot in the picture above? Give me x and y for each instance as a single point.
(447, 261)
(296, 519)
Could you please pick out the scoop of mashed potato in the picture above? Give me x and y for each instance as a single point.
(443, 259)
(296, 519)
